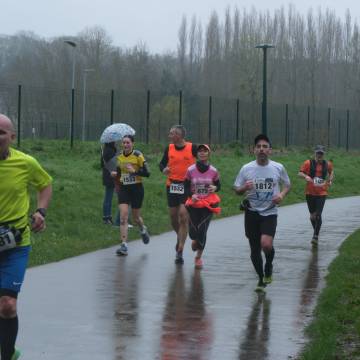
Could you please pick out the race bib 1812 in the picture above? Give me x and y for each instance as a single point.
(264, 185)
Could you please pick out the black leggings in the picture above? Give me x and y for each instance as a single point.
(316, 205)
(199, 221)
(255, 226)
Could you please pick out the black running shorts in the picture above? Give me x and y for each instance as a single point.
(257, 225)
(132, 195)
(175, 200)
(315, 203)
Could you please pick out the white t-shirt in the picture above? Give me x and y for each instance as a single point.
(266, 181)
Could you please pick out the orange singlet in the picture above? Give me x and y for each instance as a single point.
(178, 163)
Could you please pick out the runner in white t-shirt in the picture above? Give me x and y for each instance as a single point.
(261, 180)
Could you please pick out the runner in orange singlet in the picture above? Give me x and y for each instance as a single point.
(178, 156)
(318, 174)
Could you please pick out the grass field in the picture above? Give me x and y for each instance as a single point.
(335, 330)
(74, 221)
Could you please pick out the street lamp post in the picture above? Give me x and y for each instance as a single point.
(264, 100)
(73, 45)
(86, 71)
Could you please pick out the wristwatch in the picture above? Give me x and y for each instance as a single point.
(41, 211)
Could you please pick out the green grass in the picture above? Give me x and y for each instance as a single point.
(74, 221)
(335, 330)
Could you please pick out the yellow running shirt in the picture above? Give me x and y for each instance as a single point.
(137, 160)
(17, 172)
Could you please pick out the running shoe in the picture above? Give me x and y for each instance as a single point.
(268, 274)
(16, 354)
(314, 240)
(123, 250)
(145, 235)
(267, 279)
(199, 263)
(260, 287)
(179, 258)
(107, 221)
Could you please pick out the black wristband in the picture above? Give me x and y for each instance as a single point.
(41, 211)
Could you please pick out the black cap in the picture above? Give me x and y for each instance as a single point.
(261, 137)
(319, 149)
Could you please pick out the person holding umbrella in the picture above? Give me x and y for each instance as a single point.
(131, 168)
(108, 151)
(108, 162)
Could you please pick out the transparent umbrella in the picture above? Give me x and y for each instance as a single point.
(116, 132)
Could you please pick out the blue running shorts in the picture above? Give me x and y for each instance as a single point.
(13, 265)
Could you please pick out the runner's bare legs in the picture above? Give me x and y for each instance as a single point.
(179, 222)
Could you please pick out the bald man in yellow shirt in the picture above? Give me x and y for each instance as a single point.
(18, 172)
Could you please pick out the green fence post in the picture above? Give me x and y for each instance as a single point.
(210, 116)
(112, 107)
(237, 118)
(347, 129)
(19, 117)
(180, 107)
(147, 116)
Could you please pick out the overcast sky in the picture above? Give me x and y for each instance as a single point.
(155, 22)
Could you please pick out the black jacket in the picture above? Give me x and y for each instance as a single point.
(107, 153)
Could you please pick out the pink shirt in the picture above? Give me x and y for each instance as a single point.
(200, 181)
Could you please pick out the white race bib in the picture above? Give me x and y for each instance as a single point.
(128, 179)
(201, 189)
(177, 188)
(7, 239)
(263, 185)
(318, 181)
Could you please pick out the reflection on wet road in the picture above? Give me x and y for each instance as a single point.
(102, 307)
(254, 342)
(187, 328)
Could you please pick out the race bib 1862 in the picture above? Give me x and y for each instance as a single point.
(176, 188)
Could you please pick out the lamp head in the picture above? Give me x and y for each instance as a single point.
(264, 46)
(70, 42)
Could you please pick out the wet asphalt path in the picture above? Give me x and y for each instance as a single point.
(102, 307)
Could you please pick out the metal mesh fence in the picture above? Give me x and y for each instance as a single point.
(46, 114)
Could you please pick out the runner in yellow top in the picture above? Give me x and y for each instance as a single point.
(18, 171)
(132, 167)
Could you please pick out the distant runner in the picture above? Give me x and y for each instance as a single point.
(132, 167)
(178, 156)
(318, 174)
(201, 181)
(260, 180)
